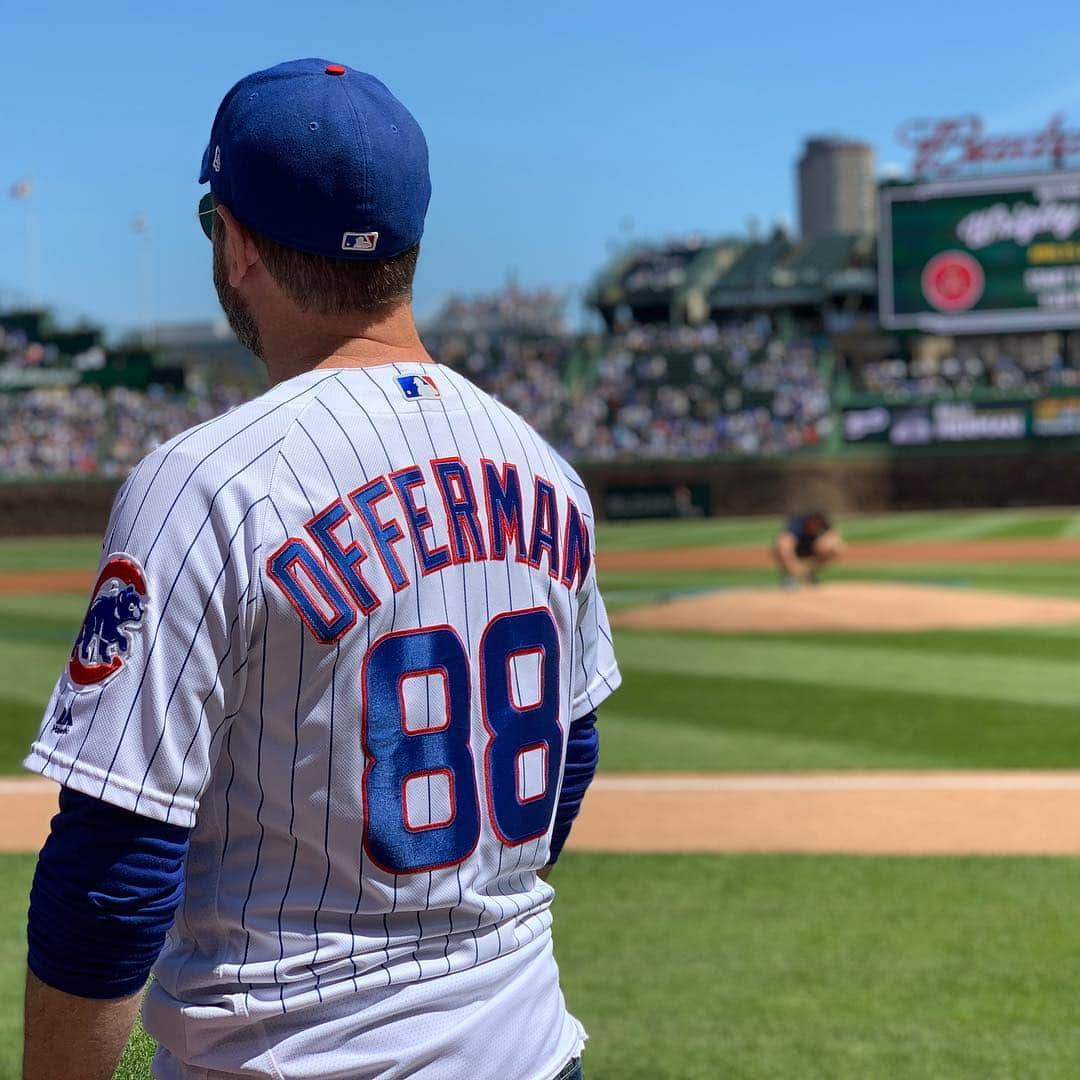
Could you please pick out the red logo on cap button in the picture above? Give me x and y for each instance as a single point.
(335, 69)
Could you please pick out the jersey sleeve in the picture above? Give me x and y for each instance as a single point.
(158, 664)
(596, 673)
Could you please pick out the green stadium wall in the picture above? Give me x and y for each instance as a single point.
(1028, 475)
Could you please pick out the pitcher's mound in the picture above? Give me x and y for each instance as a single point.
(848, 605)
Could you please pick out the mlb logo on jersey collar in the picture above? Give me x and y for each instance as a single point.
(415, 387)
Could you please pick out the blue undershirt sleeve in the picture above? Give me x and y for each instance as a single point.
(582, 754)
(107, 885)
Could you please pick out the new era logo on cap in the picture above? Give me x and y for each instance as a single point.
(359, 241)
(415, 387)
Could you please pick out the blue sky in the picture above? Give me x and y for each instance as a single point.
(555, 129)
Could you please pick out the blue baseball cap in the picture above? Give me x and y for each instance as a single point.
(320, 158)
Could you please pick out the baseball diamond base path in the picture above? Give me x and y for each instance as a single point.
(848, 605)
(877, 813)
(914, 552)
(885, 553)
(865, 813)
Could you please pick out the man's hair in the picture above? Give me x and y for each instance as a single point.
(338, 286)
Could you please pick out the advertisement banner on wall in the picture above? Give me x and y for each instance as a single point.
(952, 422)
(966, 422)
(658, 501)
(1055, 417)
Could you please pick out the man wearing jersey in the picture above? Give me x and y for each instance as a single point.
(332, 710)
(805, 546)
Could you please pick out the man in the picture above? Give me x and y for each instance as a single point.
(804, 547)
(333, 704)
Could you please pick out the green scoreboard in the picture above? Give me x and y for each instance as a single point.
(981, 255)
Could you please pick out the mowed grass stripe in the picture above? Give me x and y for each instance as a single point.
(976, 527)
(50, 553)
(15, 875)
(37, 668)
(913, 526)
(1041, 578)
(709, 532)
(19, 729)
(708, 722)
(623, 588)
(1061, 578)
(83, 552)
(976, 678)
(1051, 527)
(760, 967)
(58, 630)
(824, 967)
(1044, 643)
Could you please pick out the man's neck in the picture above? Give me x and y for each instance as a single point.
(310, 343)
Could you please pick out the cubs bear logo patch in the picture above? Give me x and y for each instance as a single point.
(116, 610)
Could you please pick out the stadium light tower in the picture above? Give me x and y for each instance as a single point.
(144, 267)
(21, 192)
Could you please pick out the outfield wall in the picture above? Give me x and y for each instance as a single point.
(56, 507)
(842, 485)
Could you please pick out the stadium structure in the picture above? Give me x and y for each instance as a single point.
(931, 361)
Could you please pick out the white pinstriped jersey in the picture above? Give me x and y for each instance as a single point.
(341, 632)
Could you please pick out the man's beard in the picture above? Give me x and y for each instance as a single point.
(232, 303)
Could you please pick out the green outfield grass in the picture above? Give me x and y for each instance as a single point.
(986, 698)
(697, 967)
(625, 588)
(929, 525)
(49, 553)
(690, 967)
(960, 699)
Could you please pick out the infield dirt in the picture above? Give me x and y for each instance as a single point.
(1009, 812)
(866, 813)
(704, 558)
(848, 605)
(893, 553)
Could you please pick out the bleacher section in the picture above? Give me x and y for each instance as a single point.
(727, 349)
(694, 281)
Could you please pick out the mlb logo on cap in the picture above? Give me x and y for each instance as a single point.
(415, 387)
(359, 241)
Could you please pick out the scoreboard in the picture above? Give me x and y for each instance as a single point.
(981, 255)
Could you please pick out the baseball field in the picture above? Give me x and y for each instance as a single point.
(837, 828)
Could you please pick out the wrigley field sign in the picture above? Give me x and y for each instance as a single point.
(981, 255)
(958, 145)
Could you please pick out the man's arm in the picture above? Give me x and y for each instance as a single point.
(784, 547)
(105, 891)
(69, 1036)
(582, 756)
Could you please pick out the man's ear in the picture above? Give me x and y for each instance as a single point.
(241, 255)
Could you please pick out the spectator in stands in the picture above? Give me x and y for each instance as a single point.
(652, 391)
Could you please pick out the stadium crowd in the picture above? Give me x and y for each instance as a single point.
(83, 430)
(661, 393)
(747, 387)
(1028, 368)
(740, 390)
